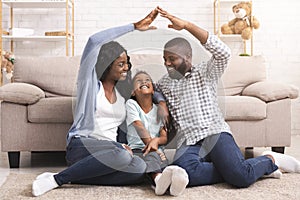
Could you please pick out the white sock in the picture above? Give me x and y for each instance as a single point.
(43, 185)
(180, 179)
(275, 174)
(284, 162)
(163, 181)
(46, 174)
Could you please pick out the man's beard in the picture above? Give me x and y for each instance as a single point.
(179, 73)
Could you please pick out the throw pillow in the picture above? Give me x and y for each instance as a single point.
(271, 91)
(21, 93)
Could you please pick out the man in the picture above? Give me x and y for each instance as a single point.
(206, 148)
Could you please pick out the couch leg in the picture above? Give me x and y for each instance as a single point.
(14, 159)
(278, 149)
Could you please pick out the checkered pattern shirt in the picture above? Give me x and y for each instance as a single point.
(192, 100)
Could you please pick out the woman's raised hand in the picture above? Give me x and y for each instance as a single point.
(145, 23)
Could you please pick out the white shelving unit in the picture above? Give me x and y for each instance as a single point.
(227, 4)
(21, 4)
(68, 5)
(34, 38)
(37, 3)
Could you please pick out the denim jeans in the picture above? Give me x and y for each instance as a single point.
(217, 159)
(153, 161)
(100, 162)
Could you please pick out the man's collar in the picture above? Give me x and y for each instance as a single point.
(188, 74)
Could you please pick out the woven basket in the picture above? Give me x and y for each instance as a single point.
(5, 32)
(56, 33)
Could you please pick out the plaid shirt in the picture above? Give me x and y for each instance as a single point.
(192, 100)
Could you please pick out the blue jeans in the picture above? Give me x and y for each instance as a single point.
(217, 158)
(153, 161)
(100, 162)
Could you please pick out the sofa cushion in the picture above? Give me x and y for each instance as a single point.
(271, 91)
(21, 93)
(57, 75)
(245, 108)
(241, 72)
(52, 110)
(151, 63)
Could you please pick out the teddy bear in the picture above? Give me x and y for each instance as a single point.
(7, 64)
(242, 22)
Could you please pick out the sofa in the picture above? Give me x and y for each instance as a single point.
(37, 108)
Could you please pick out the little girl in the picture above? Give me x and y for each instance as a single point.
(145, 136)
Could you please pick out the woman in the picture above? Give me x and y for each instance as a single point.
(93, 154)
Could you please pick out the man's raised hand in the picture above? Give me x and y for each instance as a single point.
(177, 23)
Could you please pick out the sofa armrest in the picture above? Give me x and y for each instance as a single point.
(21, 93)
(271, 91)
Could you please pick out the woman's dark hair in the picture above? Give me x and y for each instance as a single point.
(108, 53)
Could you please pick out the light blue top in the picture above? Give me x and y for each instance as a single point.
(87, 83)
(149, 120)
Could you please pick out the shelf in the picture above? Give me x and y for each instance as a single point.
(233, 36)
(37, 3)
(35, 38)
(218, 6)
(68, 5)
(67, 38)
(230, 36)
(227, 1)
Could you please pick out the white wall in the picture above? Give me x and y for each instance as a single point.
(277, 39)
